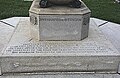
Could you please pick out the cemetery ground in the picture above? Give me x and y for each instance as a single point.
(102, 9)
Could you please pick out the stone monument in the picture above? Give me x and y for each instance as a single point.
(59, 22)
(58, 38)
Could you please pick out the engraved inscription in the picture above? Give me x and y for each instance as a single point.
(60, 27)
(57, 48)
(60, 19)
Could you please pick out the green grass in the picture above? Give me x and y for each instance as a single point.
(12, 8)
(103, 9)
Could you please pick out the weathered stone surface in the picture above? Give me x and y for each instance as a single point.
(58, 76)
(119, 69)
(59, 23)
(94, 53)
(58, 9)
(64, 76)
(6, 32)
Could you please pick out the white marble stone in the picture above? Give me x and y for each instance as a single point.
(111, 27)
(119, 69)
(99, 22)
(111, 31)
(91, 54)
(6, 32)
(12, 21)
(59, 23)
(64, 76)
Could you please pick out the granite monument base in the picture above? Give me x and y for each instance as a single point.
(23, 54)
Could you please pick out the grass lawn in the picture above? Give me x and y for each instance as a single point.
(103, 9)
(13, 8)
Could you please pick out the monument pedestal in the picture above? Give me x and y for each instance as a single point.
(26, 55)
(40, 53)
(59, 22)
